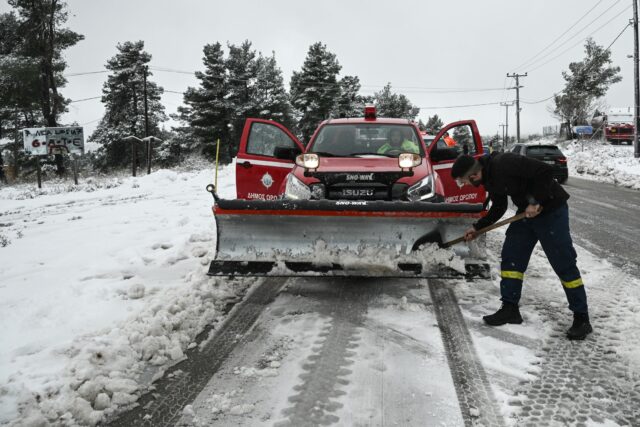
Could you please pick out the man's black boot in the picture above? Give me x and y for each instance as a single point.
(580, 328)
(508, 313)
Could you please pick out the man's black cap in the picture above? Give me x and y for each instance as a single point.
(463, 164)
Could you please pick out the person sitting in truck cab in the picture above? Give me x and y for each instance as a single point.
(448, 140)
(397, 142)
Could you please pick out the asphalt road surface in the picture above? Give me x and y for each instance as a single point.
(605, 219)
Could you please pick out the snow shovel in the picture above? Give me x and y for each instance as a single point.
(484, 230)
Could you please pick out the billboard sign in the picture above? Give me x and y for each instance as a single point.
(58, 140)
(583, 130)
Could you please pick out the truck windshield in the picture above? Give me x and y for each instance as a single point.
(348, 140)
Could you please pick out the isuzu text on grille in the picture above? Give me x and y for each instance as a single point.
(357, 192)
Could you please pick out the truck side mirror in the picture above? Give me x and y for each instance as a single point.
(286, 153)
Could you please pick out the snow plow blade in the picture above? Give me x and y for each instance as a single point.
(290, 238)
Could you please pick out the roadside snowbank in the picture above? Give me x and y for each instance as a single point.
(103, 287)
(603, 162)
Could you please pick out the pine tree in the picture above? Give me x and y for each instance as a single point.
(389, 104)
(462, 136)
(19, 88)
(350, 103)
(206, 112)
(242, 71)
(586, 82)
(270, 98)
(434, 124)
(43, 40)
(123, 98)
(315, 89)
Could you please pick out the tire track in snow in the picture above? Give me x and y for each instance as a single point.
(475, 396)
(164, 404)
(315, 401)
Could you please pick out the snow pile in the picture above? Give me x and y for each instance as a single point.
(373, 259)
(104, 287)
(603, 162)
(105, 372)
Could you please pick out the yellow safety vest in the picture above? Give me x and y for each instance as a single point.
(406, 146)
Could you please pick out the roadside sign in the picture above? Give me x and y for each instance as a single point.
(55, 140)
(583, 130)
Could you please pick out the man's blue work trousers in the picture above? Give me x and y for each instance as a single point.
(552, 230)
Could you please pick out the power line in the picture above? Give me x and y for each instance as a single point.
(542, 100)
(309, 83)
(92, 121)
(85, 73)
(559, 92)
(459, 106)
(559, 37)
(85, 99)
(580, 41)
(618, 36)
(555, 49)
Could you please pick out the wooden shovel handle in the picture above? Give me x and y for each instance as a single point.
(487, 228)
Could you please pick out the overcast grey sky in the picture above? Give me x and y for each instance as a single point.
(414, 45)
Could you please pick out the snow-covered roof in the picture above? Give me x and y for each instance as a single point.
(620, 110)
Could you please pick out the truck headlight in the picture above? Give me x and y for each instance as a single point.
(409, 160)
(422, 190)
(308, 161)
(296, 189)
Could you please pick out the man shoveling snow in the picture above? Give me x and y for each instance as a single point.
(533, 190)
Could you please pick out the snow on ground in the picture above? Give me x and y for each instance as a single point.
(601, 161)
(103, 287)
(525, 360)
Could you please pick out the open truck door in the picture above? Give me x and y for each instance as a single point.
(454, 139)
(266, 156)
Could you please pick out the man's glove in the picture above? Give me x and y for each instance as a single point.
(532, 211)
(470, 234)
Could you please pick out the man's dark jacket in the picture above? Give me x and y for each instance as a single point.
(526, 180)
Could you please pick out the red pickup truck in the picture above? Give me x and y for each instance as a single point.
(363, 190)
(355, 159)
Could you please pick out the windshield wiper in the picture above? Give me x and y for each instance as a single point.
(366, 154)
(323, 153)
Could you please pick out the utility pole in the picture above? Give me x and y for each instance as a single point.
(636, 83)
(517, 88)
(503, 138)
(146, 119)
(506, 126)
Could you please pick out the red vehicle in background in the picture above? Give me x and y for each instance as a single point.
(617, 125)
